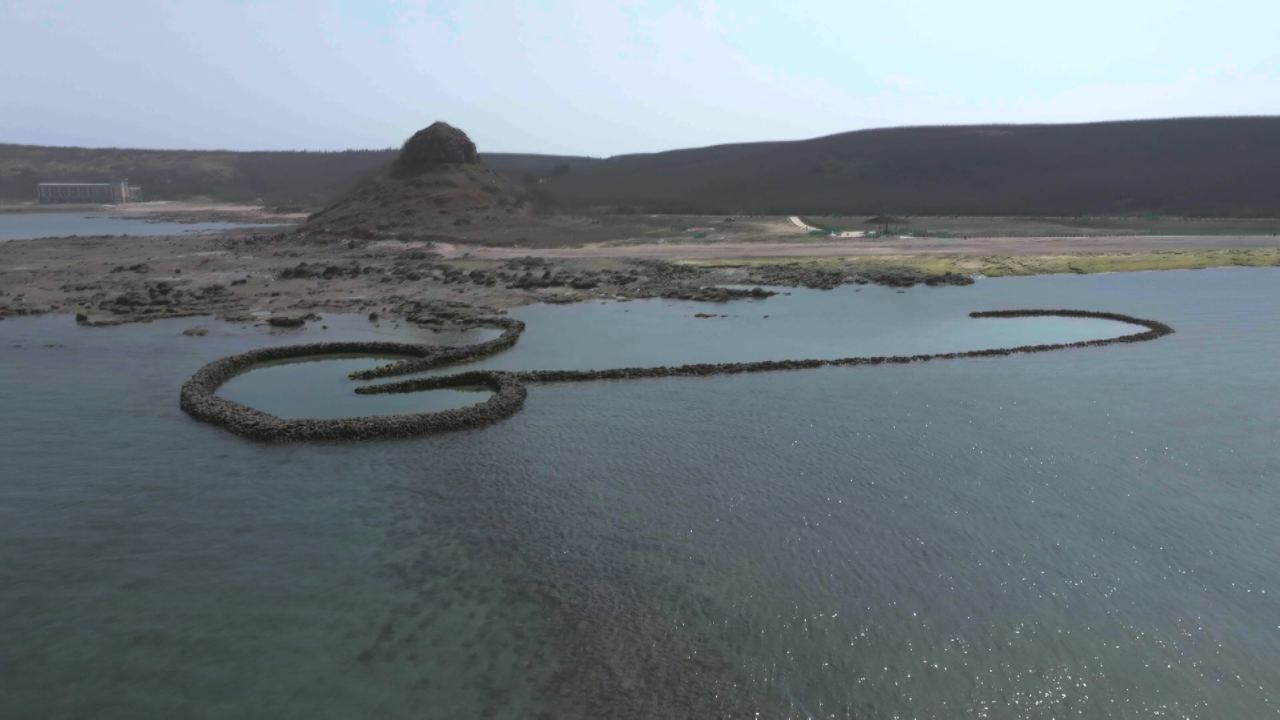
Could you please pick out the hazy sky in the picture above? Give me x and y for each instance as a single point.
(602, 78)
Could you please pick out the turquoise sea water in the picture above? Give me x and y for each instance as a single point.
(1088, 533)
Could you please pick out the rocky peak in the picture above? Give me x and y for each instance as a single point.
(439, 143)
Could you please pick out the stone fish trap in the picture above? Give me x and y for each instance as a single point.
(199, 399)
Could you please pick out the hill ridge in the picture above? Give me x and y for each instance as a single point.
(1171, 166)
(1200, 166)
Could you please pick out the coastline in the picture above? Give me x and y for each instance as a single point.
(255, 274)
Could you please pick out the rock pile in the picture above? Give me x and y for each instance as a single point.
(646, 281)
(436, 190)
(436, 144)
(325, 271)
(163, 296)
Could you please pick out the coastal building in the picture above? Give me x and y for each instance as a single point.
(885, 220)
(89, 193)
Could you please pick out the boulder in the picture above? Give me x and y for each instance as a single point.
(434, 145)
(133, 298)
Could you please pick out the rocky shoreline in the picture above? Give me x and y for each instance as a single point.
(200, 401)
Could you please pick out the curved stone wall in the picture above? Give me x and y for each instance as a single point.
(199, 398)
(199, 394)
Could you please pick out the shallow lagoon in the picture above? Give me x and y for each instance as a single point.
(1088, 532)
(804, 324)
(26, 226)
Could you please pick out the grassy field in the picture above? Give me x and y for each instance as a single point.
(1057, 227)
(997, 266)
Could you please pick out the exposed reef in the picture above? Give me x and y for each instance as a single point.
(200, 401)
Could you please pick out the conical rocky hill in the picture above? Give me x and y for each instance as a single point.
(436, 189)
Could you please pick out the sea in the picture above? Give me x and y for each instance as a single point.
(1084, 533)
(22, 226)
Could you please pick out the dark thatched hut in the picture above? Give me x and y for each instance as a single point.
(885, 220)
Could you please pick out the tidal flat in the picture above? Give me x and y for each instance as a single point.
(1089, 532)
(234, 274)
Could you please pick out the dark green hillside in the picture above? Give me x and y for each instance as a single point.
(518, 165)
(307, 178)
(1199, 167)
(1225, 167)
(304, 178)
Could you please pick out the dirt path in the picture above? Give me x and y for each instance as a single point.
(799, 222)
